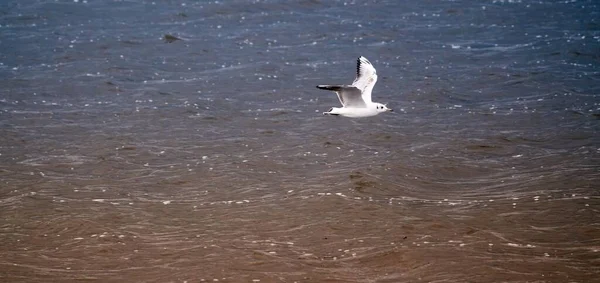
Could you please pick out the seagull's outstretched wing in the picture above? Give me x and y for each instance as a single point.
(349, 96)
(366, 77)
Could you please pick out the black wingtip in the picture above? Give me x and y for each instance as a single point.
(329, 87)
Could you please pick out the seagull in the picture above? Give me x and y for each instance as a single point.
(356, 98)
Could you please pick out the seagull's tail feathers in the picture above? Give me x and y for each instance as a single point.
(334, 87)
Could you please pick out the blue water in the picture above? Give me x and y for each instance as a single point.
(127, 156)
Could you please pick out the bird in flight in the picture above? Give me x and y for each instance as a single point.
(356, 98)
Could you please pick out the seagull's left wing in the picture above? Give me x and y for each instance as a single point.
(349, 96)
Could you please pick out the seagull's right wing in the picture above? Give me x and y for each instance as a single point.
(366, 77)
(349, 96)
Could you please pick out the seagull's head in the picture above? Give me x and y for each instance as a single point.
(382, 107)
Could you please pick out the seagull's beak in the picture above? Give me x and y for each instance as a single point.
(391, 110)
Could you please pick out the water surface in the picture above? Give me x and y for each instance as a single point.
(124, 157)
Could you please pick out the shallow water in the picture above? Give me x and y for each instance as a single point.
(127, 158)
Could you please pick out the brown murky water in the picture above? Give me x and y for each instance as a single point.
(124, 158)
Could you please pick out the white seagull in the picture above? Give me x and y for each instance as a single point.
(356, 98)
